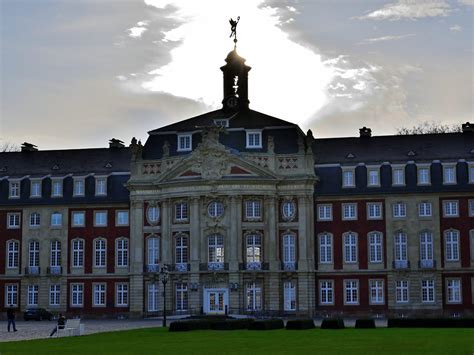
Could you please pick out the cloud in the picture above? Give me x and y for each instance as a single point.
(137, 31)
(467, 2)
(384, 39)
(409, 9)
(455, 28)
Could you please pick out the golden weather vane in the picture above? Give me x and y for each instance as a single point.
(233, 28)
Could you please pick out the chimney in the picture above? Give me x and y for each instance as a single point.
(365, 132)
(28, 147)
(468, 127)
(116, 143)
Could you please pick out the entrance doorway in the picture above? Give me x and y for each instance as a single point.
(216, 300)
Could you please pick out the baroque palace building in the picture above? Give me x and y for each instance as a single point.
(250, 215)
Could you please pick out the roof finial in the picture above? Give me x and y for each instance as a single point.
(233, 29)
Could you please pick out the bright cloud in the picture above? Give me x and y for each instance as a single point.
(455, 28)
(138, 30)
(384, 39)
(409, 9)
(467, 2)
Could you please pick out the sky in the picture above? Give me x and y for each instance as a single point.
(76, 73)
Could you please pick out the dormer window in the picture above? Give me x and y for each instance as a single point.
(35, 188)
(14, 189)
(185, 142)
(254, 139)
(100, 186)
(57, 188)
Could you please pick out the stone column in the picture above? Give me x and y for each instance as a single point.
(233, 236)
(194, 255)
(136, 258)
(166, 221)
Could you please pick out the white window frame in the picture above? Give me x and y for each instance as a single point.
(398, 175)
(33, 253)
(325, 248)
(346, 172)
(182, 296)
(122, 251)
(351, 288)
(121, 294)
(374, 207)
(77, 253)
(425, 209)
(400, 242)
(32, 295)
(420, 181)
(100, 186)
(451, 245)
(100, 253)
(56, 219)
(215, 209)
(402, 291)
(35, 192)
(56, 187)
(122, 218)
(426, 245)
(187, 139)
(373, 176)
(289, 247)
(181, 211)
(55, 295)
(215, 248)
(14, 217)
(375, 244)
(289, 296)
(99, 221)
(254, 246)
(470, 169)
(250, 142)
(55, 253)
(79, 187)
(254, 299)
(453, 291)
(99, 294)
(35, 220)
(326, 292)
(153, 214)
(74, 222)
(351, 247)
(181, 242)
(11, 295)
(349, 207)
(153, 250)
(450, 208)
(376, 291)
(325, 212)
(13, 253)
(153, 297)
(253, 209)
(452, 180)
(428, 291)
(288, 209)
(14, 188)
(399, 209)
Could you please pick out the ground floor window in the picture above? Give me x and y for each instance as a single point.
(351, 292)
(11, 297)
(181, 297)
(427, 291)
(376, 291)
(326, 292)
(99, 294)
(121, 295)
(77, 295)
(254, 296)
(153, 297)
(289, 296)
(401, 291)
(54, 295)
(453, 288)
(33, 295)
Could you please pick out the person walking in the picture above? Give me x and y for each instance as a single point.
(61, 324)
(11, 318)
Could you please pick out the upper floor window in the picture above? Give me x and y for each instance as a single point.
(100, 252)
(424, 209)
(12, 254)
(215, 209)
(33, 253)
(55, 253)
(349, 211)
(289, 248)
(254, 248)
(471, 208)
(122, 218)
(35, 219)
(181, 211)
(181, 249)
(78, 218)
(185, 142)
(79, 187)
(216, 248)
(374, 210)
(288, 210)
(325, 212)
(375, 247)
(253, 209)
(451, 238)
(100, 186)
(77, 253)
(449, 174)
(56, 188)
(399, 210)
(424, 177)
(122, 252)
(348, 177)
(471, 173)
(350, 247)
(100, 218)
(426, 247)
(373, 178)
(325, 248)
(35, 188)
(153, 251)
(401, 248)
(254, 139)
(450, 209)
(56, 219)
(13, 220)
(398, 175)
(153, 214)
(14, 189)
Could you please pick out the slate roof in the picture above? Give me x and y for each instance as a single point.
(397, 148)
(73, 161)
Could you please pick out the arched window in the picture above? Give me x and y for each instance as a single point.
(350, 247)
(426, 249)
(33, 254)
(77, 253)
(451, 239)
(100, 252)
(13, 247)
(375, 247)
(400, 252)
(122, 252)
(55, 257)
(325, 248)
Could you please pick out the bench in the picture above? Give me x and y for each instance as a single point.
(72, 327)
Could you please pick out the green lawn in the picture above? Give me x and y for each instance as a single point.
(315, 341)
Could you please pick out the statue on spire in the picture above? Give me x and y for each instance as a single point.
(233, 29)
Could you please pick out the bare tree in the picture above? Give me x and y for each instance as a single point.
(9, 147)
(429, 127)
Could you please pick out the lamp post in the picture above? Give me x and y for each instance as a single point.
(164, 276)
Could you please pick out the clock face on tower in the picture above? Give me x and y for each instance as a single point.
(232, 102)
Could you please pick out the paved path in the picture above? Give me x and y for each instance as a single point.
(38, 330)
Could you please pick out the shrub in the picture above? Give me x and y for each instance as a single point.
(332, 324)
(365, 323)
(267, 324)
(298, 324)
(431, 322)
(187, 325)
(232, 324)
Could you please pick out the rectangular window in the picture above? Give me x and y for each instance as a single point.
(450, 208)
(398, 176)
(35, 219)
(33, 255)
(56, 219)
(401, 291)
(325, 248)
(254, 248)
(100, 252)
(12, 254)
(326, 292)
(451, 238)
(424, 209)
(35, 188)
(56, 188)
(79, 187)
(350, 248)
(325, 212)
(55, 295)
(254, 297)
(122, 252)
(400, 250)
(253, 209)
(77, 295)
(181, 211)
(122, 218)
(453, 290)
(78, 219)
(100, 218)
(351, 292)
(374, 210)
(424, 176)
(348, 179)
(100, 186)
(449, 174)
(181, 249)
(153, 297)
(14, 189)
(289, 248)
(376, 291)
(254, 139)
(289, 296)
(399, 210)
(349, 211)
(77, 253)
(121, 295)
(375, 247)
(185, 142)
(55, 254)
(99, 295)
(471, 173)
(216, 248)
(181, 296)
(13, 220)
(33, 295)
(373, 177)
(426, 249)
(427, 291)
(11, 297)
(471, 208)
